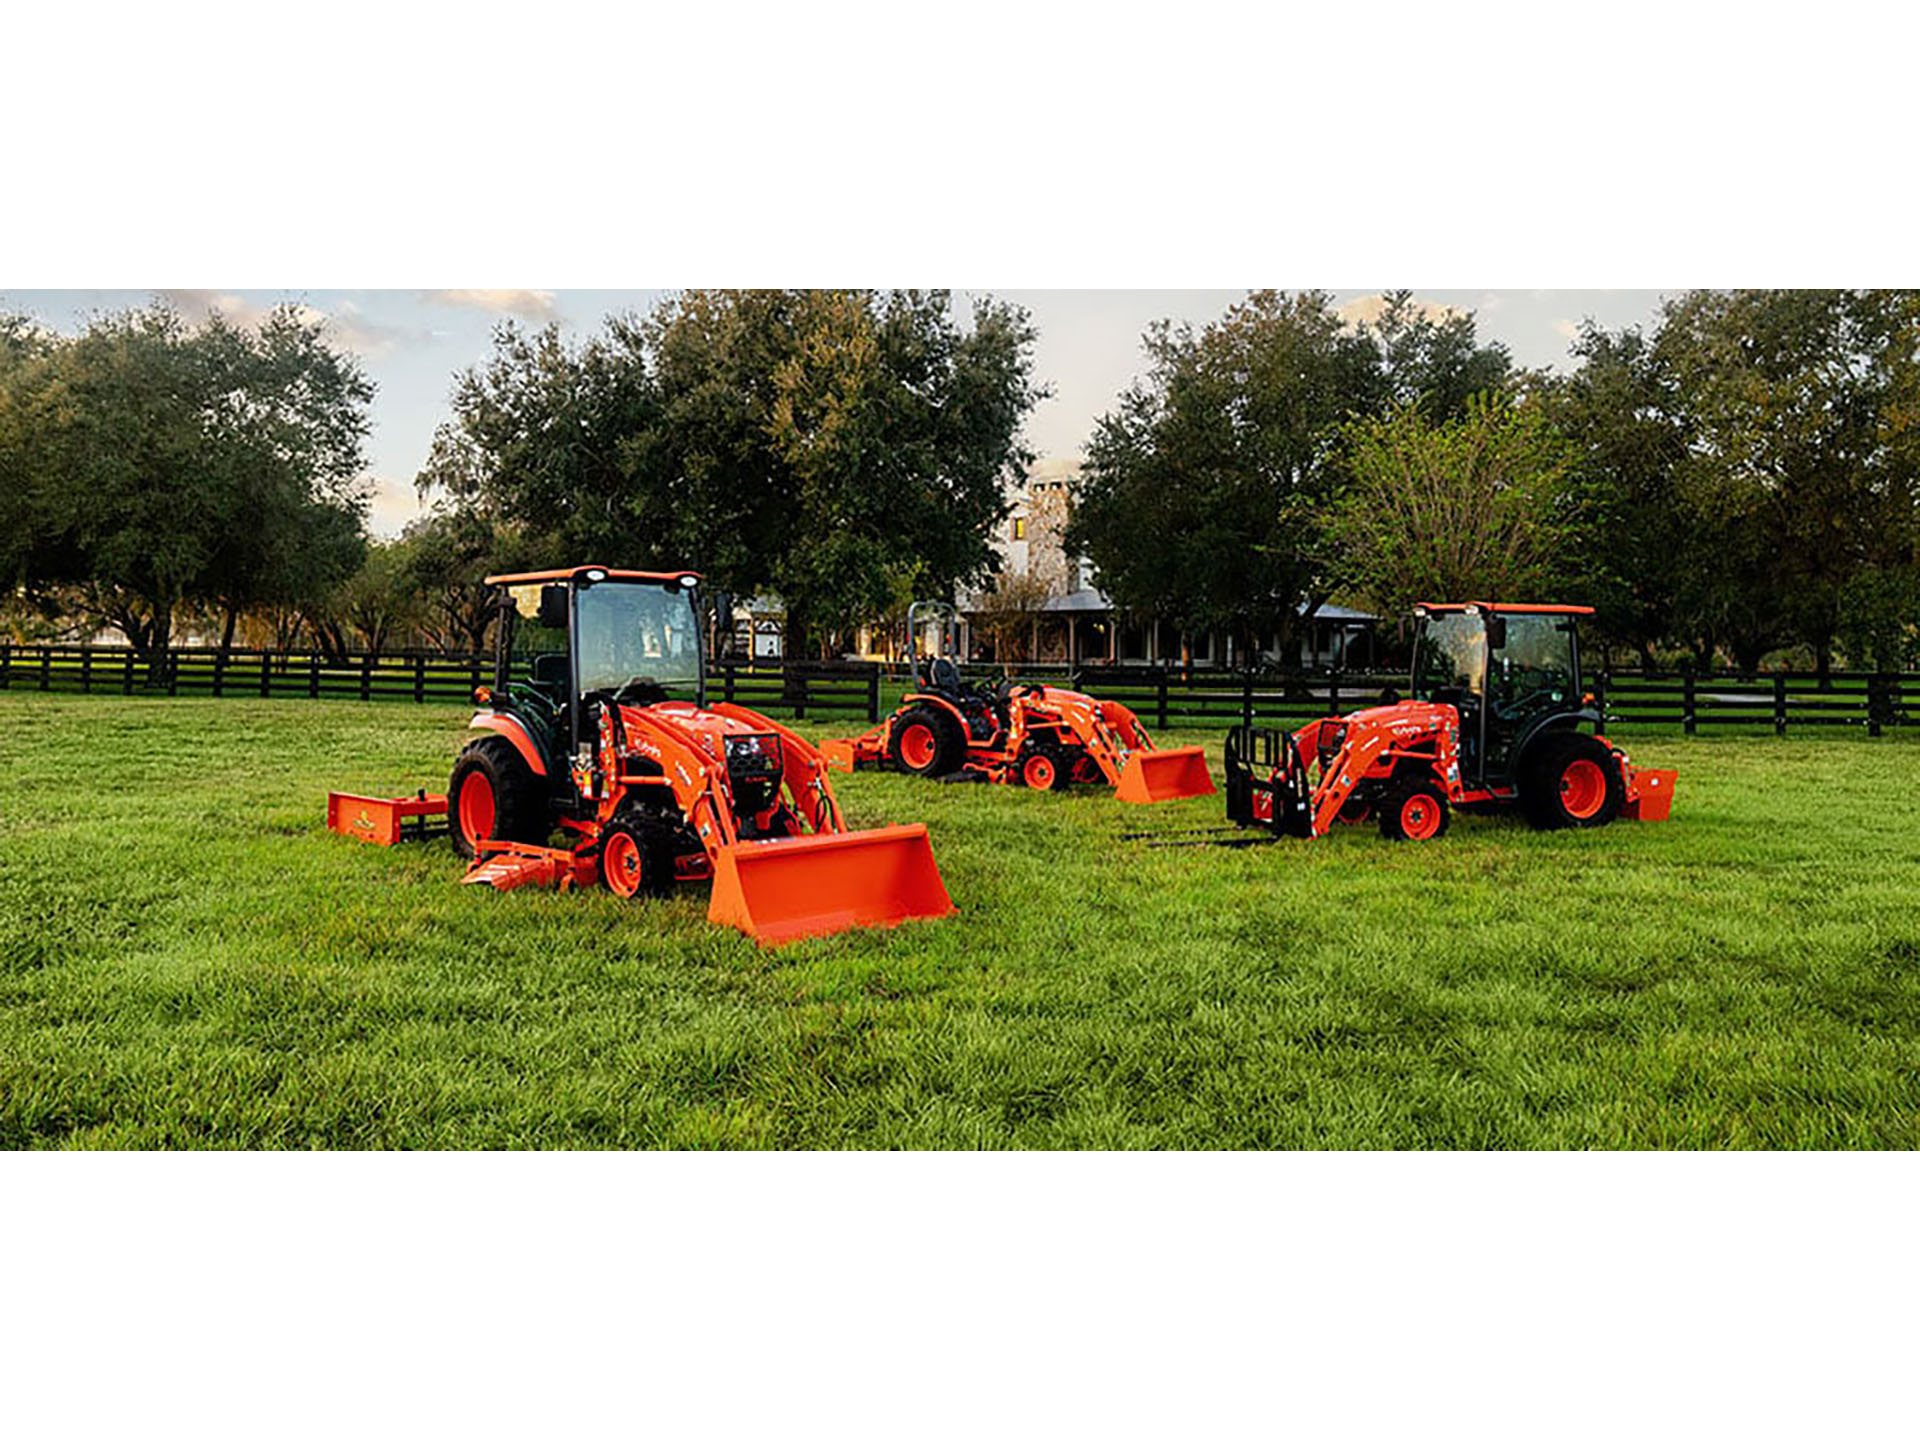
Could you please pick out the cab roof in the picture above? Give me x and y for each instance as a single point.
(1505, 607)
(579, 572)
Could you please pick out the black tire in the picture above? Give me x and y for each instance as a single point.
(1414, 809)
(636, 857)
(930, 738)
(1058, 771)
(1558, 787)
(520, 806)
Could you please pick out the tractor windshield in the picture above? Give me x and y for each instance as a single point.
(1450, 656)
(635, 636)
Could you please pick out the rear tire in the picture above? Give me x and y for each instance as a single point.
(1414, 810)
(1571, 781)
(493, 795)
(926, 741)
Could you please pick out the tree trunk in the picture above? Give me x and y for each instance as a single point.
(226, 635)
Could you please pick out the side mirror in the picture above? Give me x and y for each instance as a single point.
(1496, 632)
(553, 607)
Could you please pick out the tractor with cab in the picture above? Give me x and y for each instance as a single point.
(596, 725)
(1496, 720)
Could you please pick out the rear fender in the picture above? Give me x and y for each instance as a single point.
(516, 733)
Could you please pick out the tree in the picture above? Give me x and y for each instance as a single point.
(1638, 551)
(162, 467)
(374, 606)
(1009, 610)
(826, 445)
(1204, 491)
(1803, 462)
(446, 557)
(1434, 361)
(1471, 508)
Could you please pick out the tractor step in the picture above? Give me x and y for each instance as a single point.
(384, 821)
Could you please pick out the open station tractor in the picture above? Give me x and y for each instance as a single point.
(1495, 721)
(596, 725)
(1012, 733)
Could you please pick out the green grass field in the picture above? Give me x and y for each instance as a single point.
(188, 958)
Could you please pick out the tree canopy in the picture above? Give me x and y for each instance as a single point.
(155, 465)
(835, 447)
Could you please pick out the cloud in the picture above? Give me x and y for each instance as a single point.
(347, 325)
(1567, 328)
(1369, 308)
(527, 304)
(393, 505)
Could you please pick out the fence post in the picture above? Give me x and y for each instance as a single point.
(1895, 715)
(1780, 703)
(1161, 676)
(1600, 703)
(219, 671)
(6, 663)
(1333, 692)
(1688, 719)
(873, 695)
(420, 679)
(266, 674)
(1876, 689)
(313, 676)
(730, 668)
(170, 658)
(126, 673)
(473, 674)
(46, 668)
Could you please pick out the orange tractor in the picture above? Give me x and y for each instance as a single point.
(1039, 736)
(597, 725)
(1494, 722)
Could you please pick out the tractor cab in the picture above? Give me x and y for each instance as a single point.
(570, 641)
(1512, 672)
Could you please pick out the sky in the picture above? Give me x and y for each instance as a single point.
(413, 342)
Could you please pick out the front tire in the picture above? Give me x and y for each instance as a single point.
(1043, 768)
(1416, 810)
(1571, 782)
(635, 860)
(493, 795)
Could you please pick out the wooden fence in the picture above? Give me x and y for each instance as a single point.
(1162, 697)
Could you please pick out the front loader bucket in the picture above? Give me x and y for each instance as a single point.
(1174, 774)
(780, 890)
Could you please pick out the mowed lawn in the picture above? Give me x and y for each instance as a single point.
(188, 958)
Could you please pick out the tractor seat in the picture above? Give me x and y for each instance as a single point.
(943, 675)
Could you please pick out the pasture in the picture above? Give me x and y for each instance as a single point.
(189, 959)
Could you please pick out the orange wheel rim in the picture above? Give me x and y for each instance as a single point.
(620, 858)
(1039, 773)
(916, 746)
(1420, 817)
(476, 808)
(1583, 789)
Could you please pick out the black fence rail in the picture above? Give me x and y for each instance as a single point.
(853, 690)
